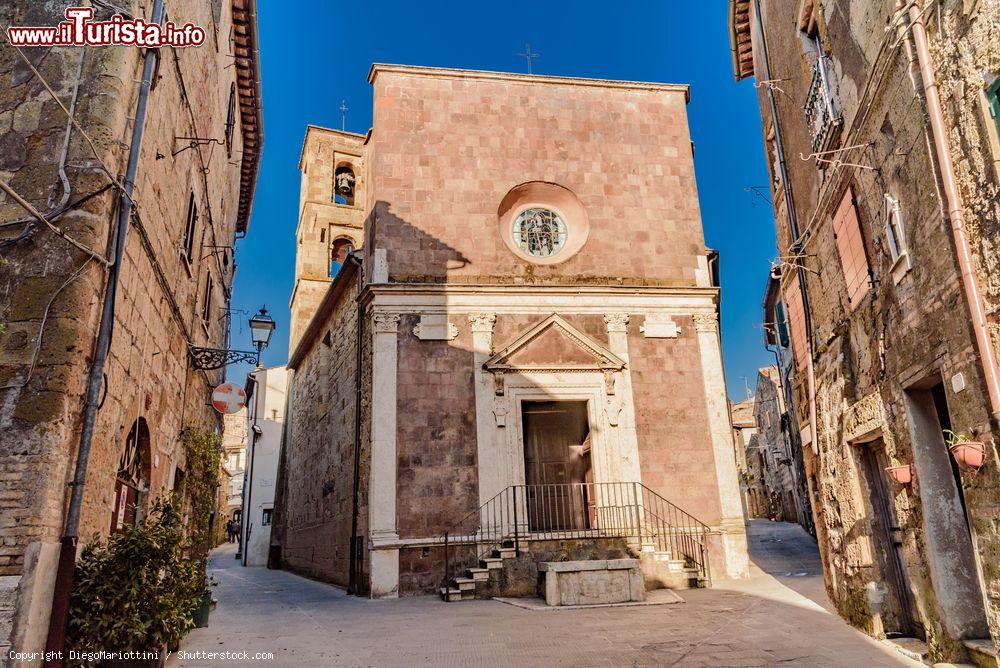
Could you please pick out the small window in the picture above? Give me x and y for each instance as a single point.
(206, 300)
(190, 223)
(781, 323)
(894, 228)
(230, 120)
(339, 251)
(265, 518)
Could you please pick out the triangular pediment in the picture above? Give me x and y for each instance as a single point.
(554, 345)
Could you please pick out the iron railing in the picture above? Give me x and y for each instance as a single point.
(628, 510)
(822, 115)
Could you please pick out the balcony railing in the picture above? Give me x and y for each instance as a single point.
(628, 510)
(822, 115)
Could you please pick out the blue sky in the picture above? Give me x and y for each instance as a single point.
(315, 55)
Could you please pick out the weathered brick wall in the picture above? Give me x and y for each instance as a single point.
(910, 326)
(318, 459)
(445, 152)
(160, 299)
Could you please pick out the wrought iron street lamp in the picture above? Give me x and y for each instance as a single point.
(261, 327)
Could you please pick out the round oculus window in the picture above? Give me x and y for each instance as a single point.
(539, 232)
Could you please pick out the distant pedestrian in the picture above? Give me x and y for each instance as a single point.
(231, 530)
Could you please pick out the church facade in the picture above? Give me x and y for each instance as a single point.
(502, 290)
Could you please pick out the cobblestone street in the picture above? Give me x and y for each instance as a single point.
(776, 617)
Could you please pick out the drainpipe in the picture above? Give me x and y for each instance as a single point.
(793, 222)
(955, 213)
(352, 584)
(63, 586)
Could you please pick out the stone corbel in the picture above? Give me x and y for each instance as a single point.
(609, 382)
(500, 411)
(498, 383)
(613, 410)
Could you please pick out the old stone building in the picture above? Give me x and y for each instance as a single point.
(234, 458)
(748, 465)
(194, 187)
(530, 330)
(880, 124)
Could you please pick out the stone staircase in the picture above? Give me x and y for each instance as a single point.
(496, 574)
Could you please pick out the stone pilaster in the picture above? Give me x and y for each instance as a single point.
(732, 524)
(490, 455)
(622, 465)
(382, 482)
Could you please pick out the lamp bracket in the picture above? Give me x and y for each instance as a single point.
(207, 359)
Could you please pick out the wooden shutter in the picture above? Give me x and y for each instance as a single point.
(851, 248)
(796, 321)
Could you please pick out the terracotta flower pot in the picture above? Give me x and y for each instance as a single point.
(969, 454)
(902, 474)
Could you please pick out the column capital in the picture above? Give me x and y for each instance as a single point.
(386, 323)
(482, 322)
(706, 322)
(616, 322)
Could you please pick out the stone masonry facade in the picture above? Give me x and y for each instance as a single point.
(885, 324)
(176, 279)
(459, 327)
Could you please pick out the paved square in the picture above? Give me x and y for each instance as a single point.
(778, 617)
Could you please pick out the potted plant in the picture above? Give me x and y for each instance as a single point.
(902, 474)
(968, 453)
(134, 591)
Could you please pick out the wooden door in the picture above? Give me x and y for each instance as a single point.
(556, 464)
(899, 617)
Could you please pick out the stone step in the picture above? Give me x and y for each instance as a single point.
(492, 563)
(449, 594)
(912, 648)
(464, 584)
(478, 574)
(982, 653)
(505, 553)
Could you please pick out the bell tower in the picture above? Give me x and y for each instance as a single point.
(331, 216)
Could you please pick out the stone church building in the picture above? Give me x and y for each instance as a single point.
(503, 305)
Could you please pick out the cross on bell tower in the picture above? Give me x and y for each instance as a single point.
(343, 114)
(528, 55)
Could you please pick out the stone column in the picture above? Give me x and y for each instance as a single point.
(382, 479)
(624, 464)
(490, 456)
(732, 525)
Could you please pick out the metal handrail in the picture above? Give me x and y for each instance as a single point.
(627, 510)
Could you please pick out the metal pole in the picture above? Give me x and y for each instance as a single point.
(56, 639)
(517, 538)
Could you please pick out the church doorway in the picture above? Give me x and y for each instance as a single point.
(557, 465)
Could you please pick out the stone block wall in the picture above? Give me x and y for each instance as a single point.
(449, 145)
(318, 461)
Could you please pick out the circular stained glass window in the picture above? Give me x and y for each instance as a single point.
(539, 232)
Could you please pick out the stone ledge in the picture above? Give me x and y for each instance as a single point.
(588, 565)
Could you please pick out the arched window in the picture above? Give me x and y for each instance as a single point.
(338, 255)
(132, 478)
(343, 185)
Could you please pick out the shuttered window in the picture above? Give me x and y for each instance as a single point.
(851, 248)
(796, 321)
